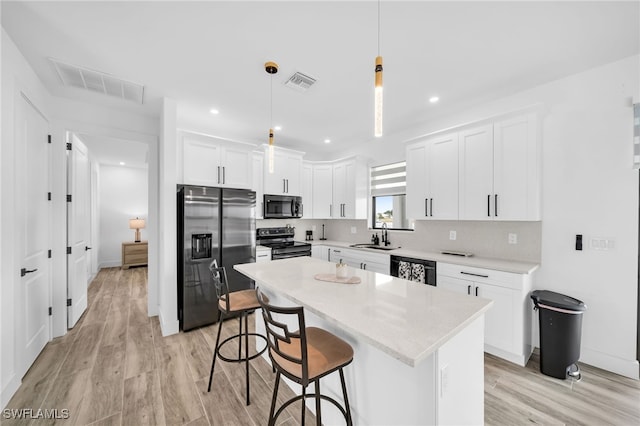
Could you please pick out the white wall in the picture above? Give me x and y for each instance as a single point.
(17, 76)
(589, 188)
(123, 196)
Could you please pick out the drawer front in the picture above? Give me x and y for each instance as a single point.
(135, 258)
(480, 275)
(135, 249)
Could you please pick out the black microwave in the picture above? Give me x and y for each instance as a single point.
(282, 207)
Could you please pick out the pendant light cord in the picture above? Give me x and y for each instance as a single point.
(271, 104)
(378, 27)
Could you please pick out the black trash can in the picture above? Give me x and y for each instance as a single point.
(560, 333)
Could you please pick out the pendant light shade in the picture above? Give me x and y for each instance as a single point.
(271, 68)
(378, 98)
(377, 115)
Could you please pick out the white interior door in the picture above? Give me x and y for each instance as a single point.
(34, 222)
(78, 229)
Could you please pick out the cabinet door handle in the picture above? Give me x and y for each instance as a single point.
(469, 289)
(218, 174)
(426, 207)
(287, 184)
(495, 205)
(330, 210)
(344, 210)
(360, 265)
(489, 205)
(224, 177)
(475, 275)
(364, 266)
(431, 206)
(337, 251)
(284, 186)
(476, 291)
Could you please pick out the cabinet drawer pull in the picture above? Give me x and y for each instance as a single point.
(476, 291)
(475, 275)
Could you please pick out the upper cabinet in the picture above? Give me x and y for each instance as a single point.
(286, 178)
(210, 161)
(349, 189)
(322, 191)
(258, 168)
(500, 171)
(486, 172)
(432, 178)
(307, 190)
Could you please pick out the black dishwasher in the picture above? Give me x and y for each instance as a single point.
(419, 270)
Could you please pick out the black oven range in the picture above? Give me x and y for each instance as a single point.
(281, 242)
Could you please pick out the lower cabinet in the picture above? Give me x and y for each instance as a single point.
(361, 259)
(263, 254)
(320, 252)
(508, 322)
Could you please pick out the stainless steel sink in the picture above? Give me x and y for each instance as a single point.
(372, 246)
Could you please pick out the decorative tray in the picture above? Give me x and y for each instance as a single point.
(334, 279)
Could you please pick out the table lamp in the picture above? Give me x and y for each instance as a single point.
(136, 224)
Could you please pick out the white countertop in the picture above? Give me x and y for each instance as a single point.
(407, 320)
(478, 262)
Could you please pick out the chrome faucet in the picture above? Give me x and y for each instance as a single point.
(385, 234)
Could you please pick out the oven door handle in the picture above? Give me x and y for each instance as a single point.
(289, 255)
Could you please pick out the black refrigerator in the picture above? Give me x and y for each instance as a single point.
(213, 224)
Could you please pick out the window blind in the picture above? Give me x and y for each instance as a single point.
(390, 179)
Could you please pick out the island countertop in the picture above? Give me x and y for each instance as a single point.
(407, 320)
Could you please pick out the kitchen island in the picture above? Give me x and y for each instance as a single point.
(418, 349)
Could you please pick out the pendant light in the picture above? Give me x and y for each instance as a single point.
(271, 68)
(378, 87)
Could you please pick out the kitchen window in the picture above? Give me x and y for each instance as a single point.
(388, 196)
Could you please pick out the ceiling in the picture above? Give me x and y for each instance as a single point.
(211, 54)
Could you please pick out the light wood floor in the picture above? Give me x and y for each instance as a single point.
(115, 368)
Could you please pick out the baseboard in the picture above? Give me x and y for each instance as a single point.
(520, 360)
(110, 264)
(9, 390)
(624, 367)
(168, 327)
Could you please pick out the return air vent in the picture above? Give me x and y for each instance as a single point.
(99, 82)
(300, 82)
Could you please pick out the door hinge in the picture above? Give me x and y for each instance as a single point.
(49, 254)
(68, 250)
(68, 198)
(48, 138)
(69, 146)
(69, 302)
(48, 196)
(50, 311)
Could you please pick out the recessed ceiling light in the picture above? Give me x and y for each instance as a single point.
(214, 111)
(278, 128)
(122, 163)
(434, 99)
(327, 141)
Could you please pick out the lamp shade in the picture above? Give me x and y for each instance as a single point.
(136, 223)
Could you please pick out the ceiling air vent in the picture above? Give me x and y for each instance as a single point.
(99, 82)
(300, 82)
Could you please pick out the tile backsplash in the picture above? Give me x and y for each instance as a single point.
(482, 238)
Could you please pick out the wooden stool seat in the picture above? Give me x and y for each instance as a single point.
(242, 300)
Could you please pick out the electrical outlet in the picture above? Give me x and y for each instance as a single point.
(601, 243)
(354, 230)
(452, 235)
(513, 238)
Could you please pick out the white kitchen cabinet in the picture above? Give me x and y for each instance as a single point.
(322, 192)
(286, 178)
(349, 189)
(432, 178)
(508, 322)
(320, 252)
(499, 170)
(257, 186)
(361, 259)
(211, 161)
(307, 190)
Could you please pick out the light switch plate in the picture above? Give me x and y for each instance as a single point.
(354, 230)
(452, 235)
(513, 238)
